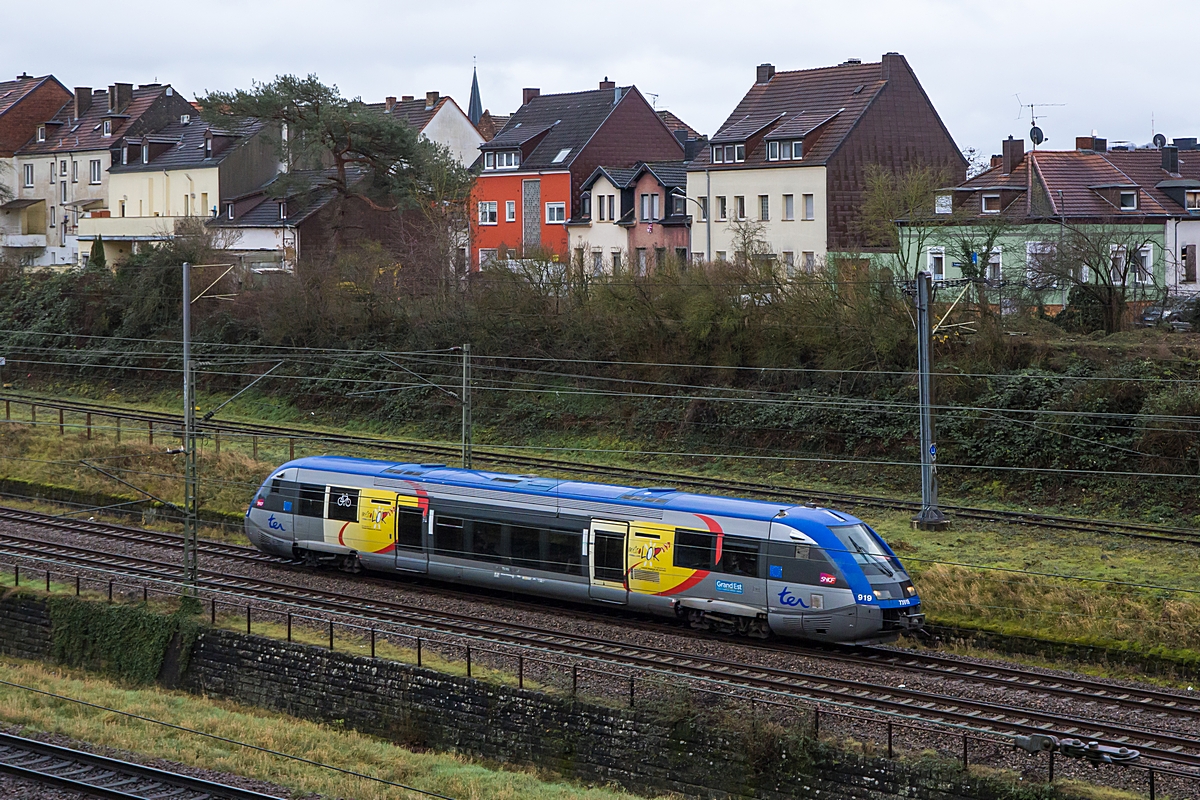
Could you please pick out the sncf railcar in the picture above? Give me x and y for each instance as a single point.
(737, 566)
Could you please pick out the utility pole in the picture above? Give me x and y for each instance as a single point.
(466, 406)
(931, 517)
(190, 543)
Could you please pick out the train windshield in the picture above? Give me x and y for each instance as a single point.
(867, 549)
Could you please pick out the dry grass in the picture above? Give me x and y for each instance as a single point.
(455, 776)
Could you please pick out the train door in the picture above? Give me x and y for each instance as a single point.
(411, 524)
(607, 561)
(375, 533)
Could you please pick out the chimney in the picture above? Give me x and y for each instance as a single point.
(997, 160)
(764, 73)
(388, 104)
(1091, 143)
(892, 62)
(528, 94)
(1014, 153)
(83, 100)
(24, 76)
(681, 137)
(1170, 159)
(431, 100)
(119, 95)
(406, 98)
(607, 84)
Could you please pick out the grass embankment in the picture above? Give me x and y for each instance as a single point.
(975, 575)
(446, 774)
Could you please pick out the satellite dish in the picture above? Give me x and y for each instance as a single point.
(1160, 141)
(1036, 136)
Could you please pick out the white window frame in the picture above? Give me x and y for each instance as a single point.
(764, 208)
(561, 156)
(810, 261)
(106, 128)
(1034, 252)
(486, 254)
(556, 213)
(789, 208)
(772, 151)
(789, 263)
(74, 172)
(702, 206)
(644, 208)
(718, 154)
(41, 133)
(53, 171)
(722, 208)
(612, 208)
(489, 160)
(1191, 200)
(797, 150)
(729, 151)
(1121, 200)
(996, 256)
(655, 206)
(943, 204)
(983, 204)
(719, 255)
(739, 206)
(510, 210)
(29, 176)
(145, 153)
(1147, 253)
(810, 207)
(95, 173)
(63, 191)
(930, 255)
(487, 212)
(53, 217)
(739, 153)
(597, 261)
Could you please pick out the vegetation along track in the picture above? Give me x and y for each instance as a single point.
(751, 489)
(99, 776)
(1160, 744)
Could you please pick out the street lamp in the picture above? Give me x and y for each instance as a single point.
(707, 220)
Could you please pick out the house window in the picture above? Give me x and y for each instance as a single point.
(655, 209)
(508, 160)
(616, 261)
(1129, 201)
(125, 155)
(62, 169)
(703, 206)
(994, 272)
(1039, 264)
(678, 204)
(943, 204)
(1192, 201)
(645, 210)
(282, 208)
(1143, 264)
(797, 150)
(810, 261)
(681, 256)
(937, 263)
(487, 212)
(1187, 257)
(612, 207)
(489, 160)
(601, 207)
(510, 210)
(208, 148)
(722, 209)
(720, 255)
(556, 212)
(772, 151)
(739, 206)
(810, 211)
(585, 205)
(486, 255)
(641, 261)
(94, 171)
(53, 172)
(561, 156)
(29, 176)
(228, 211)
(74, 172)
(185, 119)
(63, 191)
(145, 154)
(597, 262)
(53, 214)
(123, 208)
(739, 152)
(991, 204)
(41, 133)
(728, 154)
(718, 155)
(789, 207)
(107, 127)
(789, 263)
(764, 207)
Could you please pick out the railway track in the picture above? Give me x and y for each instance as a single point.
(751, 489)
(100, 776)
(1158, 743)
(1083, 690)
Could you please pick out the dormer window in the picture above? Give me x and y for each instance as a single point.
(991, 204)
(585, 205)
(772, 151)
(185, 119)
(107, 128)
(283, 209)
(1192, 201)
(1129, 201)
(41, 133)
(229, 211)
(739, 152)
(718, 155)
(489, 160)
(208, 148)
(797, 148)
(943, 204)
(145, 154)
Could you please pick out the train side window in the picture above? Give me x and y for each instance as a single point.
(785, 566)
(312, 500)
(280, 497)
(694, 549)
(485, 540)
(525, 546)
(343, 504)
(563, 552)
(739, 557)
(409, 527)
(449, 536)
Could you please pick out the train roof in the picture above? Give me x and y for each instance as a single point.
(649, 497)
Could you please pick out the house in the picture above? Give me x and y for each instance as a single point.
(438, 119)
(789, 163)
(63, 168)
(188, 169)
(633, 218)
(532, 172)
(26, 103)
(1006, 225)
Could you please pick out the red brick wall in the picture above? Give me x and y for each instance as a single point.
(651, 236)
(19, 124)
(900, 130)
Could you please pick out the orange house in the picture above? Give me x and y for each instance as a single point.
(530, 173)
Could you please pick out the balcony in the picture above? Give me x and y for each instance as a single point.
(22, 240)
(144, 229)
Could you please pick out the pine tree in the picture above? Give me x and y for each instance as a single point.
(96, 259)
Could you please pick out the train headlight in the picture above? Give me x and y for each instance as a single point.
(912, 590)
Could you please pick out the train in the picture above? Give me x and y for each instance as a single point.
(735, 566)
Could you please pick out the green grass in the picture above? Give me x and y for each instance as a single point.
(452, 775)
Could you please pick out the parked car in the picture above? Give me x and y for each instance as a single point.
(1178, 314)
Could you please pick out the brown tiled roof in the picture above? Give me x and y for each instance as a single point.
(801, 99)
(489, 125)
(12, 92)
(412, 112)
(674, 123)
(65, 135)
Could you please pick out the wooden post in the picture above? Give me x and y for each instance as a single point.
(254, 446)
(574, 679)
(418, 651)
(468, 661)
(966, 763)
(520, 672)
(247, 618)
(213, 611)
(331, 634)
(889, 738)
(8, 409)
(631, 691)
(47, 581)
(60, 422)
(118, 430)
(372, 642)
(33, 414)
(217, 442)
(89, 426)
(150, 431)
(77, 586)
(289, 625)
(291, 449)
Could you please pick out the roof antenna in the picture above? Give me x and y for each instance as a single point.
(1035, 133)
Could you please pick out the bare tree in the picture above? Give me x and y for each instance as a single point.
(898, 214)
(6, 192)
(973, 241)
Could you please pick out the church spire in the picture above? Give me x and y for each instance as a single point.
(475, 109)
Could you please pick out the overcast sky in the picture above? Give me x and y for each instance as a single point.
(1125, 69)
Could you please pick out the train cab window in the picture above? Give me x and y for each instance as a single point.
(525, 546)
(563, 552)
(485, 540)
(280, 496)
(312, 500)
(785, 564)
(343, 504)
(866, 548)
(409, 527)
(694, 549)
(449, 536)
(738, 557)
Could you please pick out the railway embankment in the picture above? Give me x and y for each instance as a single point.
(646, 750)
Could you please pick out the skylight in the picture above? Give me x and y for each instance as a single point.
(562, 154)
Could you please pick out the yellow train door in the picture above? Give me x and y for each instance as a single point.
(376, 528)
